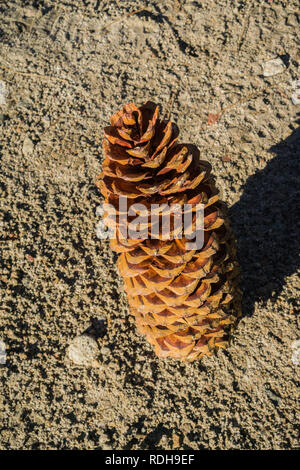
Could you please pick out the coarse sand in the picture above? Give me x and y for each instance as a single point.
(65, 67)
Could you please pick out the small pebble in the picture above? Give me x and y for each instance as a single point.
(226, 158)
(105, 351)
(296, 344)
(273, 67)
(106, 447)
(27, 146)
(246, 148)
(31, 12)
(295, 84)
(2, 93)
(2, 352)
(273, 396)
(296, 92)
(296, 97)
(83, 350)
(296, 353)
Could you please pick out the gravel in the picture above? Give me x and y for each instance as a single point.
(67, 67)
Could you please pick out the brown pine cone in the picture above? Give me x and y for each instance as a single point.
(185, 300)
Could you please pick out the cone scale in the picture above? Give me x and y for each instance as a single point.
(185, 300)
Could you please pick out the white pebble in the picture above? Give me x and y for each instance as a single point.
(296, 97)
(2, 352)
(296, 92)
(27, 146)
(296, 352)
(32, 12)
(273, 67)
(296, 344)
(295, 84)
(83, 351)
(2, 93)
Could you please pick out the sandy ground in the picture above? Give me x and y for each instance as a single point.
(65, 67)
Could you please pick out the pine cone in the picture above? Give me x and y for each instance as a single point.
(185, 301)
